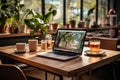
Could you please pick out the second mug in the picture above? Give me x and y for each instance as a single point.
(33, 44)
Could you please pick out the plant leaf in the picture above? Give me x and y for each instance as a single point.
(54, 12)
(90, 11)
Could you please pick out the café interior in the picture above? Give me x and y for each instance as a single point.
(29, 27)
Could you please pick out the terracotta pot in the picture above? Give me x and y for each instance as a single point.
(67, 26)
(87, 24)
(22, 28)
(3, 29)
(81, 24)
(13, 29)
(54, 26)
(72, 23)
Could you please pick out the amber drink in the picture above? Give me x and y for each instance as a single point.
(43, 45)
(94, 46)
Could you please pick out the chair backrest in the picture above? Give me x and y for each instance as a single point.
(108, 43)
(11, 72)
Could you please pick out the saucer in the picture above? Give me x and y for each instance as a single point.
(100, 53)
(20, 51)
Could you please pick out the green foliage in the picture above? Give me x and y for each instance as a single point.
(51, 12)
(9, 9)
(90, 11)
(38, 22)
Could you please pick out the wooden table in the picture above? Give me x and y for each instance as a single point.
(71, 68)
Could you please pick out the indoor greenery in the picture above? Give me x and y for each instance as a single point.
(9, 9)
(38, 22)
(90, 11)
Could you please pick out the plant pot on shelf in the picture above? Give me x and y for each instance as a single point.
(81, 24)
(54, 26)
(67, 26)
(3, 29)
(13, 29)
(22, 28)
(95, 25)
(87, 24)
(72, 23)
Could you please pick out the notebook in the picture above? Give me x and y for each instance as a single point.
(68, 45)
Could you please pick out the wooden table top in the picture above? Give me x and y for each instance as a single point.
(68, 68)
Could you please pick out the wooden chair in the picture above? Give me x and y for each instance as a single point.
(13, 72)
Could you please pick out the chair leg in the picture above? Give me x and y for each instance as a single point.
(90, 75)
(54, 77)
(46, 75)
(113, 71)
(32, 78)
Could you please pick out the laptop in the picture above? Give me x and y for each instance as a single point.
(68, 45)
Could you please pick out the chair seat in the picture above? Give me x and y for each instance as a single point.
(34, 72)
(13, 72)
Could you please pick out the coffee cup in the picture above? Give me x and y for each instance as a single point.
(20, 46)
(33, 44)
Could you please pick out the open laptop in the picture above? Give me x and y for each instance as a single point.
(68, 45)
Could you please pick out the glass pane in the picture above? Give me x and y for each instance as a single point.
(72, 10)
(32, 4)
(58, 4)
(88, 5)
(102, 12)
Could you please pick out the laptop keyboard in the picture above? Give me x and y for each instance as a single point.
(56, 56)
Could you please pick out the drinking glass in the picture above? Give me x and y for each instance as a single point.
(94, 46)
(43, 45)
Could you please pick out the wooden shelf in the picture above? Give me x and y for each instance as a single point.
(7, 35)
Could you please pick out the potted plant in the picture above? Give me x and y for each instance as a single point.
(9, 9)
(72, 21)
(94, 25)
(13, 26)
(37, 22)
(4, 14)
(87, 19)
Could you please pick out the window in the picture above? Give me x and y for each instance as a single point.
(72, 10)
(32, 4)
(58, 4)
(87, 5)
(102, 11)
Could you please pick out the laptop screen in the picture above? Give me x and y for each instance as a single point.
(70, 40)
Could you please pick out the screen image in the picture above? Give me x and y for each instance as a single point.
(70, 40)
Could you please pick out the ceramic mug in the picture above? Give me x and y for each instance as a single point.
(20, 46)
(33, 44)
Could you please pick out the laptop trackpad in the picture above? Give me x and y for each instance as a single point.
(52, 55)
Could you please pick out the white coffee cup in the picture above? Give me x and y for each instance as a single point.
(20, 46)
(33, 44)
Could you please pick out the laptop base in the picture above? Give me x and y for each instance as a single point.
(52, 55)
